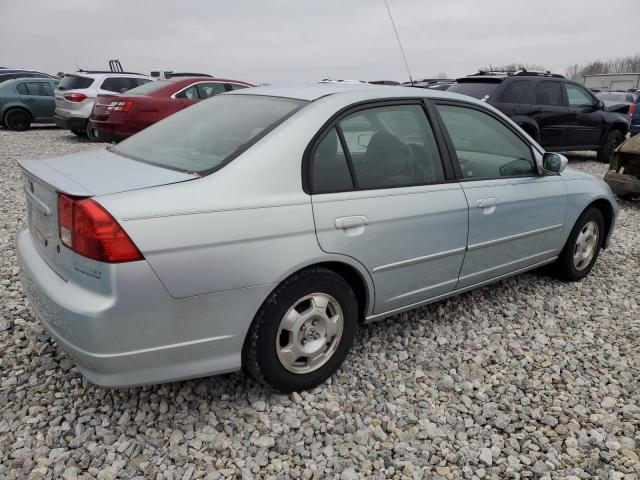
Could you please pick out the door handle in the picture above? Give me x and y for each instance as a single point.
(487, 204)
(351, 222)
(29, 100)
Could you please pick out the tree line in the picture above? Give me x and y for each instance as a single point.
(629, 64)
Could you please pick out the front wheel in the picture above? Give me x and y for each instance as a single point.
(614, 138)
(303, 331)
(583, 246)
(80, 133)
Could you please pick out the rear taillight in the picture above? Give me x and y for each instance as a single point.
(632, 109)
(88, 229)
(120, 106)
(75, 97)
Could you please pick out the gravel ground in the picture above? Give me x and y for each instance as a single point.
(527, 378)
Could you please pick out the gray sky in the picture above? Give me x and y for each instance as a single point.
(305, 40)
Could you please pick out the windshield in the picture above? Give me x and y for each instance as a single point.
(206, 136)
(474, 89)
(150, 87)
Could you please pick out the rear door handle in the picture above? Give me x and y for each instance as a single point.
(353, 221)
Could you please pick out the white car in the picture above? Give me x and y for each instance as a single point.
(77, 92)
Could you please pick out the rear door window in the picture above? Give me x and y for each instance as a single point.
(515, 92)
(391, 147)
(40, 89)
(549, 93)
(188, 93)
(74, 82)
(206, 90)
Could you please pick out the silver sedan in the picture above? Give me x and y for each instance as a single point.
(258, 229)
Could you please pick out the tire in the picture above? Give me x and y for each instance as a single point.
(614, 138)
(92, 134)
(567, 267)
(17, 120)
(80, 133)
(284, 326)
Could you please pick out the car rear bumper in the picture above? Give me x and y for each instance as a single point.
(112, 130)
(136, 333)
(71, 123)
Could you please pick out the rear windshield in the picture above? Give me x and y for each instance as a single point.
(74, 82)
(149, 88)
(474, 89)
(206, 136)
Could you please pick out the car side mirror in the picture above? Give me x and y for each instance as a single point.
(599, 105)
(554, 162)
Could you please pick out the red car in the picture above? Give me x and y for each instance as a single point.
(118, 116)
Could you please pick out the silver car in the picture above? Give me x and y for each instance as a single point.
(259, 228)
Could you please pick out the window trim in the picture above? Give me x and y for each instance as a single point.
(334, 120)
(193, 84)
(454, 156)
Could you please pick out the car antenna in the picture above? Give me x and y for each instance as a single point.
(406, 64)
(77, 66)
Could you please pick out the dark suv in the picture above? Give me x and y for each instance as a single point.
(558, 113)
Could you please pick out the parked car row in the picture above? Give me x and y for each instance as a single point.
(91, 102)
(115, 117)
(111, 105)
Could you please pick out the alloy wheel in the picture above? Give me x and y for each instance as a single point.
(309, 333)
(586, 245)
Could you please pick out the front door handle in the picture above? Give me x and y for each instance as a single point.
(487, 205)
(353, 221)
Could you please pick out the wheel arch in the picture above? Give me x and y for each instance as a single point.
(353, 272)
(623, 127)
(608, 213)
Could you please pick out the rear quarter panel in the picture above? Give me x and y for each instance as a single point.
(248, 224)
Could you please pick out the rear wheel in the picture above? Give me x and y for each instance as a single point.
(17, 119)
(582, 248)
(303, 331)
(92, 134)
(614, 138)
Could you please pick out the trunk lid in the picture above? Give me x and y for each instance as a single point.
(83, 174)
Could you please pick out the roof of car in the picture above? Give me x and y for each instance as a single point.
(191, 78)
(311, 92)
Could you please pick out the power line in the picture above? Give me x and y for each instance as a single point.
(393, 24)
